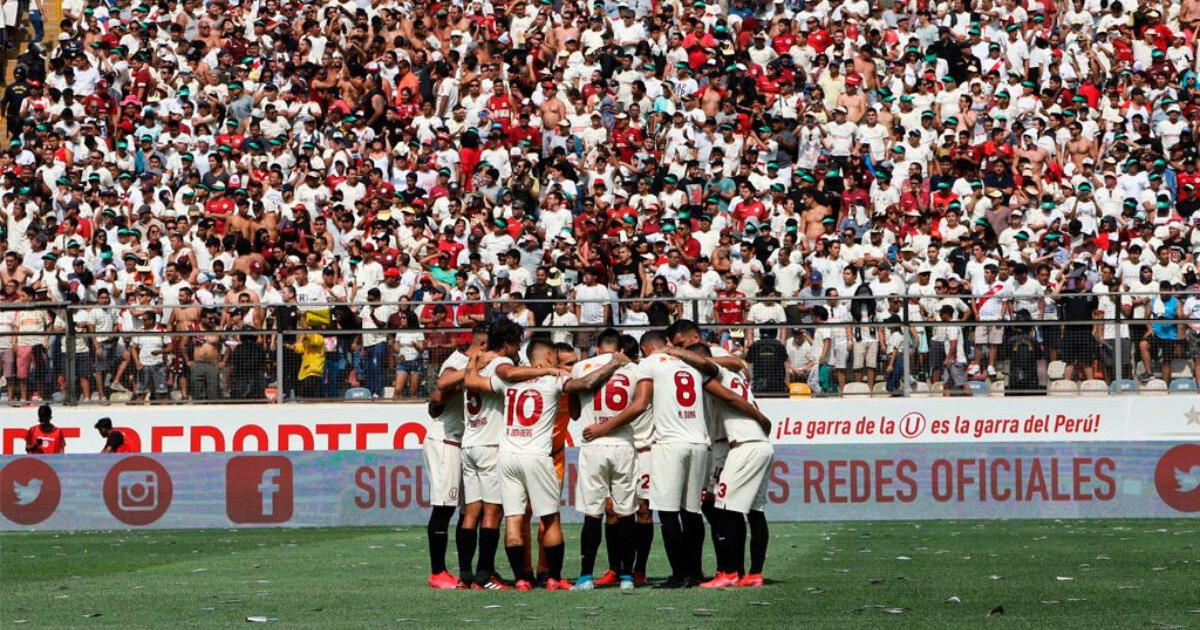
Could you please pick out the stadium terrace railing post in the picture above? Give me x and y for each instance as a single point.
(277, 334)
(906, 350)
(69, 364)
(1118, 358)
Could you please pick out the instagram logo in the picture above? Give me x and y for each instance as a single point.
(137, 490)
(258, 489)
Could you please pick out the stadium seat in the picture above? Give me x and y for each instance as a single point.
(978, 388)
(1056, 370)
(856, 389)
(1063, 388)
(1124, 386)
(1154, 387)
(1093, 387)
(271, 394)
(389, 392)
(1181, 368)
(799, 390)
(996, 388)
(919, 389)
(358, 393)
(1183, 386)
(880, 389)
(937, 388)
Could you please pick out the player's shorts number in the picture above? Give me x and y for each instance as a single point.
(518, 405)
(615, 394)
(645, 481)
(721, 489)
(685, 388)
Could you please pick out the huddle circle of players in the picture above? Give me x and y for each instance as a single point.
(670, 426)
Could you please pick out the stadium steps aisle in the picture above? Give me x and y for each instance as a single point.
(51, 18)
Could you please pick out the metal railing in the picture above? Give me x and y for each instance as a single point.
(265, 352)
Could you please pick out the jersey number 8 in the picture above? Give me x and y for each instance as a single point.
(685, 388)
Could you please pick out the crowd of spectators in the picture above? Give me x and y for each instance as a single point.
(185, 173)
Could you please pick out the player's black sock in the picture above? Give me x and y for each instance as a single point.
(438, 532)
(760, 535)
(516, 557)
(715, 518)
(464, 541)
(489, 539)
(693, 545)
(589, 544)
(672, 535)
(554, 561)
(643, 541)
(720, 537)
(613, 545)
(624, 534)
(737, 541)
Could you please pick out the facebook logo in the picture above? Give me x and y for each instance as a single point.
(267, 488)
(258, 489)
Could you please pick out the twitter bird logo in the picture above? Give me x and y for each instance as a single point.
(1188, 480)
(29, 492)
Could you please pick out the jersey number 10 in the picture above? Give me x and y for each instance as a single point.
(517, 407)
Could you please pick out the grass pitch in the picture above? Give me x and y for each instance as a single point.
(1040, 574)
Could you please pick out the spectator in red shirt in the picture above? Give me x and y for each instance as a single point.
(44, 438)
(730, 305)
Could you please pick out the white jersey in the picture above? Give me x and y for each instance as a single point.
(713, 410)
(449, 425)
(609, 400)
(737, 425)
(485, 411)
(529, 411)
(678, 412)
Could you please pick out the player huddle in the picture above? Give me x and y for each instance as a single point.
(670, 426)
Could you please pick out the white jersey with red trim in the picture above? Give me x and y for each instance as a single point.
(450, 423)
(612, 397)
(529, 411)
(738, 426)
(485, 410)
(678, 402)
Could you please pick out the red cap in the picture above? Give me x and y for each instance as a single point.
(853, 79)
(391, 272)
(368, 246)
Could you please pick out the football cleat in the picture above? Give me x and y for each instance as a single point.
(673, 583)
(626, 582)
(639, 578)
(584, 583)
(494, 583)
(752, 579)
(560, 584)
(608, 579)
(523, 586)
(443, 580)
(722, 580)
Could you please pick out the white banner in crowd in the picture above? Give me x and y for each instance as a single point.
(816, 482)
(350, 426)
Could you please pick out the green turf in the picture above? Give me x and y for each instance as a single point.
(1123, 574)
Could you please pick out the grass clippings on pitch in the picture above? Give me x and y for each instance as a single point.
(964, 574)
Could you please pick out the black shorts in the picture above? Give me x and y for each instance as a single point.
(1163, 349)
